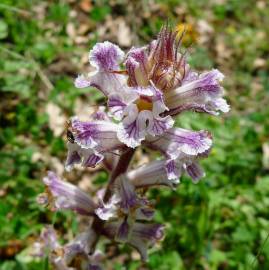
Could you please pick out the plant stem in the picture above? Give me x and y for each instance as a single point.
(121, 167)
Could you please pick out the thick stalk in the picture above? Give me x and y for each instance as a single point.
(121, 167)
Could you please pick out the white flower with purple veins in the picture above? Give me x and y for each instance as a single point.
(144, 90)
(91, 141)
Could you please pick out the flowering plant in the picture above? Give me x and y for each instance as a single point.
(145, 90)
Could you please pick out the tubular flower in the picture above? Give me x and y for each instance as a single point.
(141, 236)
(156, 173)
(73, 255)
(177, 142)
(92, 141)
(144, 90)
(62, 195)
(125, 205)
(165, 172)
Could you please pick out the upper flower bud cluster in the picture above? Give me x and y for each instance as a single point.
(156, 82)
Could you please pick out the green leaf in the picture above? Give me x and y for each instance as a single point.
(3, 29)
(242, 234)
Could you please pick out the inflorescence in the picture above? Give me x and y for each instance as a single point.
(145, 89)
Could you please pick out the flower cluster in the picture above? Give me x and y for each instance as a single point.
(145, 89)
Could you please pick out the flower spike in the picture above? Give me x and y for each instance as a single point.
(144, 90)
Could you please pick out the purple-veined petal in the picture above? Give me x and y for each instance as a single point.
(132, 129)
(173, 170)
(125, 201)
(92, 159)
(195, 171)
(131, 134)
(106, 212)
(85, 133)
(190, 75)
(190, 142)
(106, 56)
(158, 125)
(117, 102)
(142, 117)
(116, 106)
(148, 91)
(211, 107)
(206, 85)
(85, 157)
(137, 67)
(158, 107)
(204, 91)
(145, 211)
(77, 253)
(176, 142)
(48, 245)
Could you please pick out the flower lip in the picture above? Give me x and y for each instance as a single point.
(106, 56)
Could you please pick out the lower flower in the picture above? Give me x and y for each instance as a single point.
(62, 195)
(141, 236)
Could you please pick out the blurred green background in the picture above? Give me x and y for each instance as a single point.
(220, 223)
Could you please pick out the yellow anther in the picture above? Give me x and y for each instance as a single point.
(143, 105)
